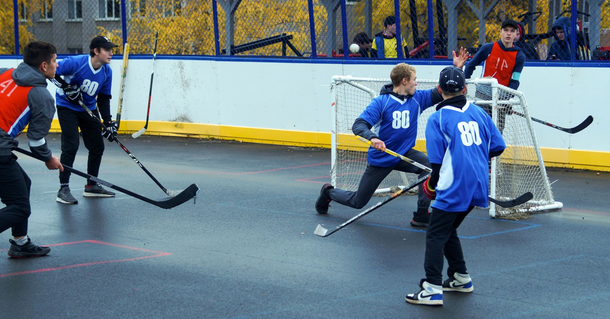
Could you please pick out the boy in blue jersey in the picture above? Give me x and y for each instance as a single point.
(89, 80)
(460, 139)
(394, 114)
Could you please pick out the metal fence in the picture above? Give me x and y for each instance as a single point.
(425, 29)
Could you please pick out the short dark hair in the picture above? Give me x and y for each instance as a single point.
(389, 21)
(37, 52)
(362, 38)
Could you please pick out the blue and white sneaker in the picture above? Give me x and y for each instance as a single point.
(459, 283)
(429, 295)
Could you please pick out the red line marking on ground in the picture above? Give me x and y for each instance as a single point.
(155, 254)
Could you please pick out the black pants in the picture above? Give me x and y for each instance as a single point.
(91, 129)
(374, 175)
(442, 241)
(15, 194)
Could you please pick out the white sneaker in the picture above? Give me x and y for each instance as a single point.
(458, 282)
(429, 295)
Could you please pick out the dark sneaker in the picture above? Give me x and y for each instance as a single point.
(323, 201)
(65, 197)
(429, 295)
(27, 250)
(420, 220)
(97, 191)
(458, 282)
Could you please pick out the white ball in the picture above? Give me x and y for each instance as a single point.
(354, 48)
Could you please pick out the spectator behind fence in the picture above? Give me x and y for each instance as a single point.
(385, 44)
(527, 47)
(560, 48)
(364, 42)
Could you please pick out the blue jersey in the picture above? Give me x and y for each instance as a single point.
(78, 70)
(395, 123)
(461, 141)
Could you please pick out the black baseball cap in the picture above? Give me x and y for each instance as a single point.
(101, 42)
(510, 23)
(452, 79)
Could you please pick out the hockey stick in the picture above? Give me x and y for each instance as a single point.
(123, 75)
(513, 202)
(182, 197)
(323, 232)
(168, 192)
(572, 130)
(152, 75)
(404, 158)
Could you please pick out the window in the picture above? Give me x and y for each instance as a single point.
(23, 11)
(110, 9)
(172, 8)
(138, 8)
(75, 9)
(47, 10)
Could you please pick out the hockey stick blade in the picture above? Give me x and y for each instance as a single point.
(571, 130)
(514, 202)
(185, 195)
(320, 231)
(581, 126)
(138, 133)
(323, 232)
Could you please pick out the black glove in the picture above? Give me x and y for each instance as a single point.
(73, 94)
(110, 132)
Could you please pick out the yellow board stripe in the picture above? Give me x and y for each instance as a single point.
(553, 157)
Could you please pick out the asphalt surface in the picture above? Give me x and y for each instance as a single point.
(246, 248)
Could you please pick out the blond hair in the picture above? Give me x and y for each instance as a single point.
(401, 71)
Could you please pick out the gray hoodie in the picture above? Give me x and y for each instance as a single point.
(41, 107)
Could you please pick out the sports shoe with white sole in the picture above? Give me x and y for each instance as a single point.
(27, 250)
(459, 283)
(97, 191)
(429, 295)
(65, 197)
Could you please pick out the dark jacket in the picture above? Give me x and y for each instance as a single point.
(560, 50)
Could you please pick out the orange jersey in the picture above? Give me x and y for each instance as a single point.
(500, 64)
(14, 109)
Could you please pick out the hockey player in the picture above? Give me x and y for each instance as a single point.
(86, 79)
(24, 100)
(395, 114)
(503, 61)
(460, 140)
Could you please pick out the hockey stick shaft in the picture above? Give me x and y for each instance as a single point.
(179, 199)
(123, 75)
(514, 202)
(168, 192)
(152, 76)
(402, 157)
(323, 232)
(571, 130)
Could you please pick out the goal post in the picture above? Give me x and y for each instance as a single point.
(518, 170)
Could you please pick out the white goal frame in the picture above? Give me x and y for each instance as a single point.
(519, 169)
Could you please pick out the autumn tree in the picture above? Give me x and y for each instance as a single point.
(28, 10)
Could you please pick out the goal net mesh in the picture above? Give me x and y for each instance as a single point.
(518, 170)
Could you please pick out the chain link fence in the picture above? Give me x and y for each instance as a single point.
(333, 29)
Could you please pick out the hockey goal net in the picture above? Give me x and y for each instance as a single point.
(518, 170)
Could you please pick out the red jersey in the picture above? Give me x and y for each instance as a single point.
(14, 109)
(500, 64)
